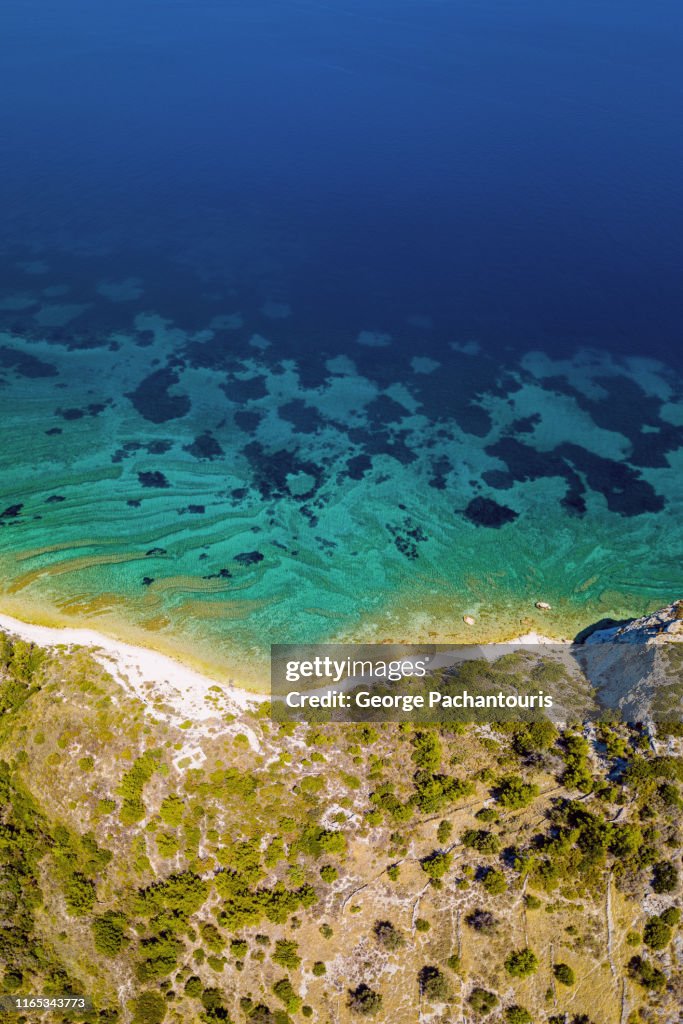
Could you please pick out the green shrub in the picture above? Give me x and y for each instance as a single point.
(149, 1008)
(517, 1015)
(286, 954)
(645, 974)
(315, 841)
(182, 894)
(105, 806)
(494, 882)
(172, 810)
(79, 893)
(664, 877)
(481, 840)
(286, 994)
(110, 933)
(433, 792)
(311, 784)
(238, 948)
(521, 963)
(486, 814)
(443, 832)
(514, 793)
(12, 980)
(656, 933)
(389, 937)
(564, 974)
(193, 987)
(365, 1001)
(427, 751)
(671, 916)
(167, 844)
(482, 1001)
(132, 785)
(161, 953)
(212, 1001)
(535, 737)
(436, 864)
(433, 985)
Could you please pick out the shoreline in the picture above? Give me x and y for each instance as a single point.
(141, 667)
(58, 627)
(172, 690)
(142, 671)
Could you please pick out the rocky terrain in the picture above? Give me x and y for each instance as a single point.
(225, 867)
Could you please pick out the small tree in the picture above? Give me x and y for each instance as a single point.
(482, 1001)
(364, 1001)
(286, 994)
(494, 882)
(436, 864)
(521, 963)
(564, 974)
(482, 921)
(389, 937)
(286, 954)
(109, 933)
(671, 916)
(443, 832)
(645, 974)
(517, 1015)
(656, 933)
(664, 877)
(514, 793)
(149, 1008)
(481, 840)
(433, 985)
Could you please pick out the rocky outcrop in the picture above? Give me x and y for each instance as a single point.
(663, 626)
(635, 667)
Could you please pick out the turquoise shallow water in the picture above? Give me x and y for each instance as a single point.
(340, 320)
(213, 490)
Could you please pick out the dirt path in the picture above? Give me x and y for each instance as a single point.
(610, 927)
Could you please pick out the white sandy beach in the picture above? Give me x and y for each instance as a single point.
(156, 678)
(148, 675)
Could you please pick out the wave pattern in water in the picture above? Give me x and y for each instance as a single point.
(239, 483)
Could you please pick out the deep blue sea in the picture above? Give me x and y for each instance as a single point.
(358, 316)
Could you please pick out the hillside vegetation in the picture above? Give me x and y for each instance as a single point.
(258, 873)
